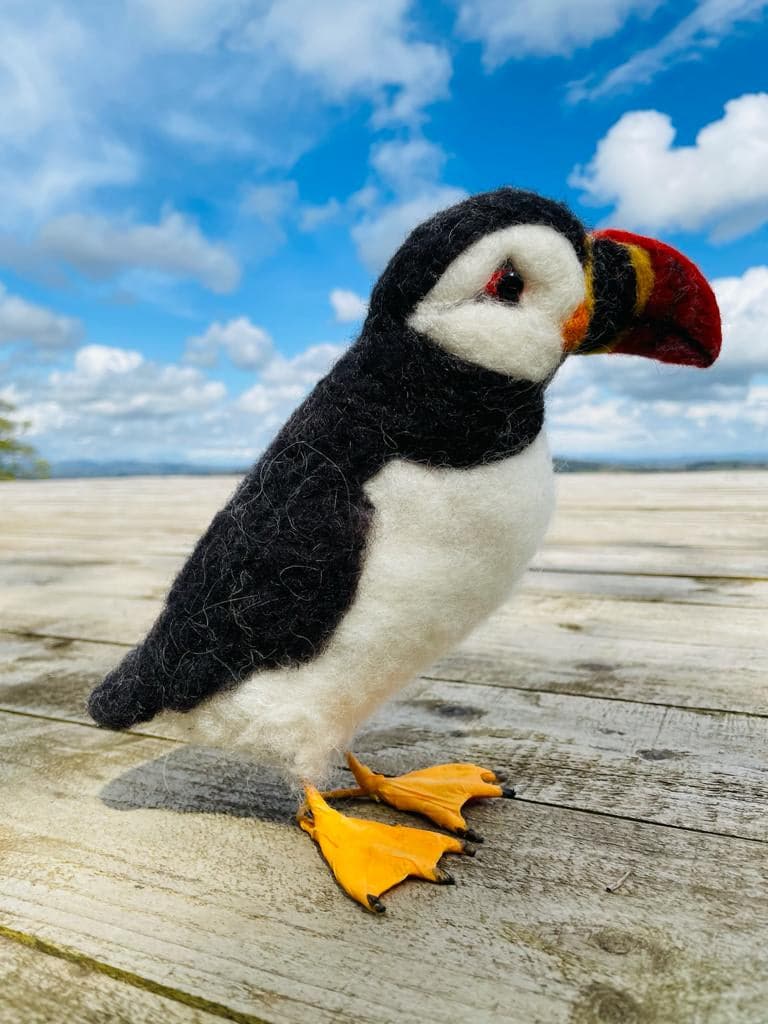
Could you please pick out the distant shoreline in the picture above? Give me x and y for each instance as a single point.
(73, 470)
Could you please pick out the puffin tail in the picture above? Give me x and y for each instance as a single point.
(127, 695)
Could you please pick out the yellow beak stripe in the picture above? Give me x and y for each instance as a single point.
(644, 276)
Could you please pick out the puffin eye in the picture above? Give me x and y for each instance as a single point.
(506, 285)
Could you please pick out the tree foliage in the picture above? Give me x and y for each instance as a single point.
(17, 459)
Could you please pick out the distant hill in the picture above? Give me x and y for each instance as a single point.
(78, 468)
(655, 466)
(88, 468)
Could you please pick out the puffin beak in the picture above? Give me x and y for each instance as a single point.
(644, 298)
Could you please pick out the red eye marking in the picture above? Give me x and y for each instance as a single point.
(505, 285)
(493, 283)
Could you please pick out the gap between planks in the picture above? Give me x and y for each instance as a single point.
(126, 978)
(520, 798)
(557, 748)
(435, 674)
(528, 936)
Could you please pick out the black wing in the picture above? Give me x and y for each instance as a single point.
(278, 567)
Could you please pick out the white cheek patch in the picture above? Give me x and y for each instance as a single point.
(522, 340)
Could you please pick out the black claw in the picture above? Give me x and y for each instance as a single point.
(471, 835)
(469, 849)
(376, 905)
(508, 792)
(444, 878)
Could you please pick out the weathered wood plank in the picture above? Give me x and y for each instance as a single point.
(705, 560)
(698, 770)
(654, 590)
(38, 988)
(733, 592)
(52, 677)
(702, 524)
(668, 765)
(726, 489)
(731, 489)
(150, 578)
(686, 654)
(577, 524)
(694, 656)
(104, 608)
(99, 852)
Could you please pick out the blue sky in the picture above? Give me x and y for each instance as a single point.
(198, 195)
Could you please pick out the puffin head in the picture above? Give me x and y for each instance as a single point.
(513, 282)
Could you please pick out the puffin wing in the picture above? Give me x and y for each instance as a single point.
(264, 587)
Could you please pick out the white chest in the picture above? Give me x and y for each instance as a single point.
(448, 545)
(445, 549)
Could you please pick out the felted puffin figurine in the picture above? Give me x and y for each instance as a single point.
(396, 509)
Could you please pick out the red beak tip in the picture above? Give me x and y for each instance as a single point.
(681, 319)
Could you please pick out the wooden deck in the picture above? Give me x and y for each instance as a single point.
(626, 696)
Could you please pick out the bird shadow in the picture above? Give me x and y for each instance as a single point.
(200, 780)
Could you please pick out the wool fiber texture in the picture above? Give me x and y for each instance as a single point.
(406, 495)
(444, 549)
(279, 566)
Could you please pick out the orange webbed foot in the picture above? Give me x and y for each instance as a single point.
(439, 792)
(368, 857)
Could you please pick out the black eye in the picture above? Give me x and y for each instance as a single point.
(506, 285)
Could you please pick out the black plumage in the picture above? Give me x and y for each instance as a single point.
(277, 568)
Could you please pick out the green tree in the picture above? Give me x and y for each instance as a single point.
(16, 458)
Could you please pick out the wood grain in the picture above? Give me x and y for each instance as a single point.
(37, 987)
(699, 770)
(623, 690)
(157, 862)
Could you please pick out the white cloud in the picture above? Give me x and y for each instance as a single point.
(285, 381)
(379, 235)
(116, 383)
(744, 308)
(353, 49)
(206, 136)
(313, 217)
(409, 171)
(345, 48)
(102, 249)
(277, 205)
(247, 345)
(702, 29)
(95, 362)
(303, 369)
(189, 24)
(22, 321)
(115, 403)
(365, 198)
(348, 307)
(720, 183)
(600, 404)
(272, 202)
(261, 400)
(85, 96)
(586, 422)
(50, 152)
(407, 191)
(511, 29)
(402, 166)
(58, 177)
